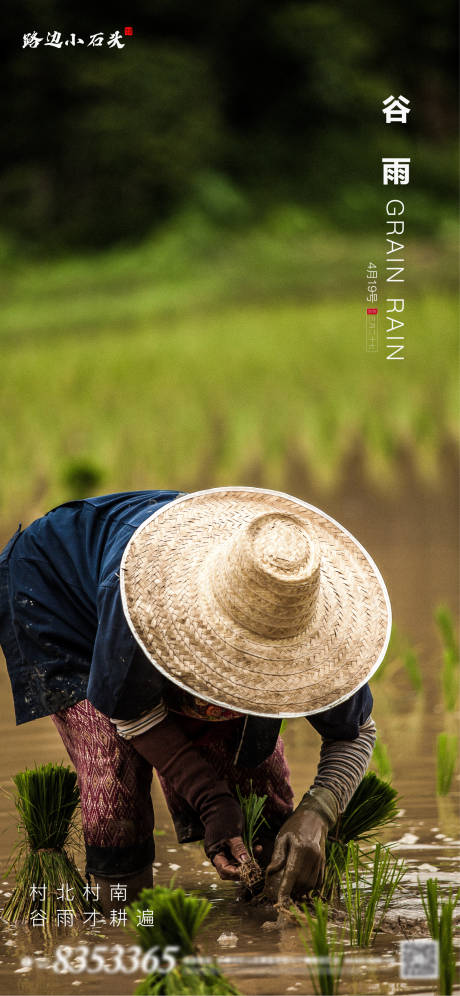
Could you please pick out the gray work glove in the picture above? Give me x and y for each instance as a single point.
(299, 856)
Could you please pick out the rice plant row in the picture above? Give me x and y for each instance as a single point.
(367, 907)
(439, 916)
(323, 945)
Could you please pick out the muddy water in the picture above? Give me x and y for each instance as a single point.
(412, 535)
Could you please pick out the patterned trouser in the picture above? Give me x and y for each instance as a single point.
(115, 781)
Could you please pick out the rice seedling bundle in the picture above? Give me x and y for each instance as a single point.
(47, 878)
(439, 922)
(174, 921)
(328, 949)
(367, 908)
(374, 805)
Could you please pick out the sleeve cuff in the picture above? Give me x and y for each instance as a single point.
(323, 801)
(129, 728)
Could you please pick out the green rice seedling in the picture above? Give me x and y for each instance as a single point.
(252, 807)
(439, 922)
(326, 947)
(430, 905)
(182, 980)
(381, 760)
(446, 751)
(445, 624)
(47, 878)
(374, 805)
(174, 920)
(335, 859)
(450, 676)
(450, 679)
(367, 908)
(413, 671)
(446, 950)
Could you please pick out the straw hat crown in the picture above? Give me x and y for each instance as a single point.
(266, 578)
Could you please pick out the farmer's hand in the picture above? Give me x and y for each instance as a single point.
(223, 827)
(232, 854)
(175, 756)
(299, 855)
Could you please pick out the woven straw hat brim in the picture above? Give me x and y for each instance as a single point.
(182, 628)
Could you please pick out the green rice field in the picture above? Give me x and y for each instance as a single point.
(206, 358)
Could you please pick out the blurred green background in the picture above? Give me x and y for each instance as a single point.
(185, 229)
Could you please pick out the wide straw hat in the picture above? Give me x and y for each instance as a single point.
(256, 601)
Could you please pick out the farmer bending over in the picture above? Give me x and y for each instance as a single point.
(175, 631)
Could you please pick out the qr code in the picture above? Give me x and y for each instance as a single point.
(418, 959)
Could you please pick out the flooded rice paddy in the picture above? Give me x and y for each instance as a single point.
(412, 537)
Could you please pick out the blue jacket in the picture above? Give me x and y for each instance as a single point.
(64, 633)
